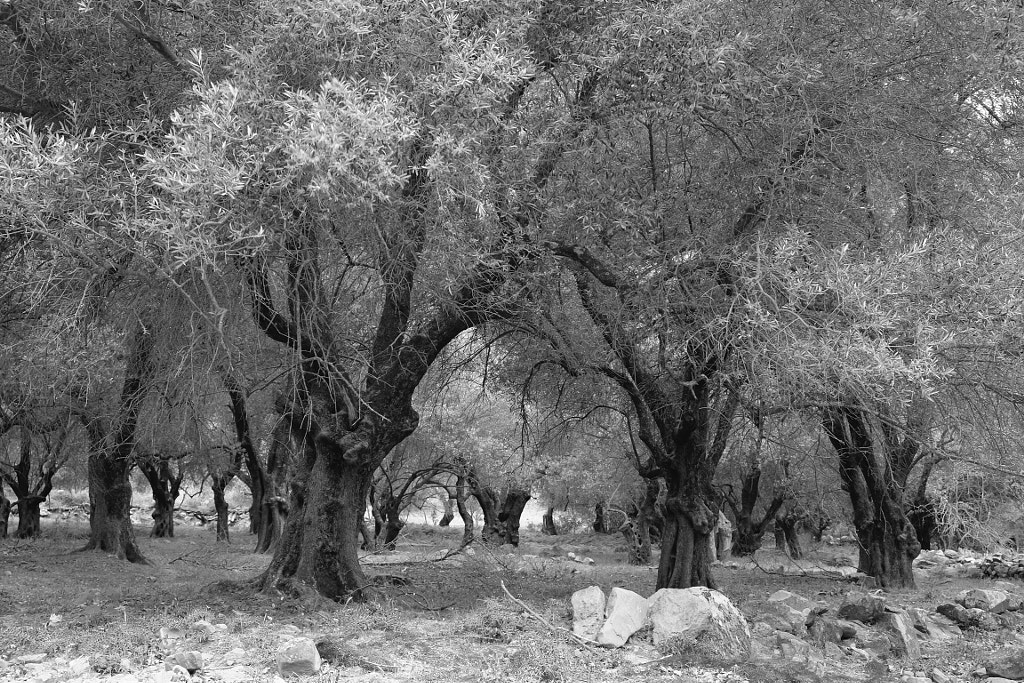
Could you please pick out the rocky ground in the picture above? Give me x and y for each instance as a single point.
(498, 615)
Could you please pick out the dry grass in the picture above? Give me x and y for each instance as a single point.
(448, 620)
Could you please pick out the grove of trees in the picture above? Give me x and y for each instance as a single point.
(667, 258)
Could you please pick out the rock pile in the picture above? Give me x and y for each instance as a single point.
(1001, 566)
(683, 614)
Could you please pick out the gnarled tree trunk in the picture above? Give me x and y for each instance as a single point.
(748, 533)
(888, 543)
(461, 503)
(165, 485)
(29, 517)
(600, 524)
(218, 483)
(449, 511)
(511, 511)
(487, 499)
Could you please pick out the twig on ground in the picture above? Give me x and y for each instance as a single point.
(585, 642)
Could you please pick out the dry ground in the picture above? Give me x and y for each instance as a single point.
(444, 620)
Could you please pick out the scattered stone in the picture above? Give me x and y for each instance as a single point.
(792, 612)
(190, 660)
(974, 617)
(863, 607)
(993, 601)
(298, 657)
(625, 614)
(876, 643)
(703, 613)
(800, 653)
(828, 630)
(588, 607)
(901, 625)
(940, 676)
(1006, 663)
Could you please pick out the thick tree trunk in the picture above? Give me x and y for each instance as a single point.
(320, 543)
(488, 501)
(690, 519)
(110, 494)
(925, 522)
(548, 524)
(638, 539)
(787, 538)
(163, 519)
(511, 512)
(600, 524)
(219, 482)
(463, 508)
(888, 544)
(272, 518)
(29, 517)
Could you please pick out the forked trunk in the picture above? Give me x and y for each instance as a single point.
(747, 537)
(28, 517)
(320, 543)
(548, 524)
(110, 522)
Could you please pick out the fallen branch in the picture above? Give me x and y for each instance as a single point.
(585, 642)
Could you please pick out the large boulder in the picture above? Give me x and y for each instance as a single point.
(990, 600)
(866, 608)
(700, 613)
(588, 607)
(1006, 663)
(625, 614)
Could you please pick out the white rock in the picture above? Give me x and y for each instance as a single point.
(700, 612)
(625, 614)
(298, 657)
(588, 607)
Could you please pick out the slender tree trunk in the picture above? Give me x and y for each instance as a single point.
(600, 524)
(449, 512)
(219, 482)
(29, 517)
(511, 512)
(548, 525)
(5, 512)
(462, 505)
(364, 533)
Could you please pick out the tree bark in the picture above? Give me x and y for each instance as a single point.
(165, 485)
(787, 538)
(29, 517)
(492, 531)
(449, 512)
(463, 508)
(219, 482)
(686, 542)
(749, 531)
(600, 524)
(511, 512)
(888, 544)
(5, 513)
(548, 524)
(111, 457)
